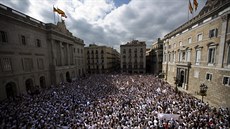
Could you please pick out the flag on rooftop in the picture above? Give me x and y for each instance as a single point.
(190, 7)
(59, 11)
(195, 4)
(63, 15)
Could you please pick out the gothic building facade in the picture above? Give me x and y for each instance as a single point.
(199, 52)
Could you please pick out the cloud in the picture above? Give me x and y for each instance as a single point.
(21, 5)
(104, 22)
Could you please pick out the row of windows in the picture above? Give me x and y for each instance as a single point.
(97, 61)
(97, 67)
(96, 52)
(212, 33)
(23, 39)
(135, 50)
(186, 55)
(135, 66)
(27, 64)
(78, 50)
(141, 56)
(209, 76)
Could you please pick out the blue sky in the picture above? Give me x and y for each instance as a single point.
(111, 22)
(120, 2)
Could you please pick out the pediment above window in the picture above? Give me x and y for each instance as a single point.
(212, 44)
(228, 42)
(198, 47)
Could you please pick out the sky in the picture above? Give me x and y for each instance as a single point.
(111, 22)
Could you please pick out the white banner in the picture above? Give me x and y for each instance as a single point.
(162, 116)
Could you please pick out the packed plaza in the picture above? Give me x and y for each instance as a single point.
(112, 101)
(49, 79)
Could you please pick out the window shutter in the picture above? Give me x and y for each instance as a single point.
(210, 33)
(216, 32)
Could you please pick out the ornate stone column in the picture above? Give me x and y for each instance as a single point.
(222, 41)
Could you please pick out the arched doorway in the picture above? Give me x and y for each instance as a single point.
(42, 82)
(11, 90)
(181, 80)
(29, 86)
(79, 72)
(61, 77)
(68, 79)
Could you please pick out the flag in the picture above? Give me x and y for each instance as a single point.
(60, 11)
(54, 9)
(63, 15)
(195, 3)
(190, 7)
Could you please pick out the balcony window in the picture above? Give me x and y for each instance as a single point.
(199, 37)
(211, 55)
(226, 81)
(209, 76)
(198, 56)
(3, 36)
(213, 33)
(189, 40)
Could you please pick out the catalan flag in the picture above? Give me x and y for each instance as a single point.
(54, 9)
(195, 3)
(190, 7)
(60, 11)
(63, 15)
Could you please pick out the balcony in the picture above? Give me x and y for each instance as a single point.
(183, 63)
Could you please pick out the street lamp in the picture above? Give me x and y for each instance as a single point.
(203, 90)
(176, 82)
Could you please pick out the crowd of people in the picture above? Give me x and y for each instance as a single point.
(112, 101)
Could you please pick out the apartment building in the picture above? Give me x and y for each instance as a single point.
(133, 59)
(101, 59)
(154, 58)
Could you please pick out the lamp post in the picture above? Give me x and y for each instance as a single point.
(203, 90)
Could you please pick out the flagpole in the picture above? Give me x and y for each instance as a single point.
(188, 9)
(193, 11)
(54, 16)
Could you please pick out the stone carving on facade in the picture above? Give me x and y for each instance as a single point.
(224, 18)
(210, 5)
(198, 47)
(61, 27)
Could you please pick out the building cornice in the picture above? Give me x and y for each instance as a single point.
(32, 22)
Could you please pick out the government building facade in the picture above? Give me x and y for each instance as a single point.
(199, 52)
(101, 59)
(35, 55)
(133, 59)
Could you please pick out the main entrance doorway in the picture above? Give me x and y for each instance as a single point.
(11, 90)
(68, 79)
(183, 76)
(29, 86)
(42, 82)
